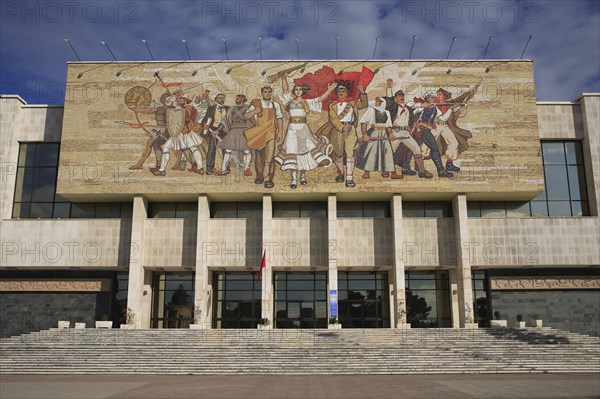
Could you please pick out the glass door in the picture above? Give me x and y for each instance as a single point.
(237, 300)
(172, 300)
(300, 300)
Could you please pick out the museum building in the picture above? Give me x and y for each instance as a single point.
(85, 235)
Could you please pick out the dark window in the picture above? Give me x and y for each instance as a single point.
(236, 210)
(35, 187)
(300, 210)
(35, 191)
(373, 209)
(565, 189)
(518, 209)
(427, 209)
(493, 209)
(97, 210)
(179, 210)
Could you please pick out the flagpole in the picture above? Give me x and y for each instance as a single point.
(263, 265)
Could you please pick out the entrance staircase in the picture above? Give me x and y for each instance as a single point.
(349, 351)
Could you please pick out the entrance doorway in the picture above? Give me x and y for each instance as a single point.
(172, 300)
(428, 299)
(237, 300)
(300, 299)
(363, 299)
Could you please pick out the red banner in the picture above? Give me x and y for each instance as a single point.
(319, 81)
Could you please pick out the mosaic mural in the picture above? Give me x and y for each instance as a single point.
(293, 126)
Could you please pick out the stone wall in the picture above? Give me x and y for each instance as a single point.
(534, 241)
(570, 310)
(170, 242)
(23, 312)
(51, 243)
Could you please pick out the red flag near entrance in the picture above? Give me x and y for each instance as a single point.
(263, 264)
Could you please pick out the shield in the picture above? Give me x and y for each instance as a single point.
(138, 96)
(175, 121)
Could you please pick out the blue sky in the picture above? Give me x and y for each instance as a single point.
(33, 56)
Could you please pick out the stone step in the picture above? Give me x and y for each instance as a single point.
(356, 351)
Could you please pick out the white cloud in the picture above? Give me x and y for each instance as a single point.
(565, 46)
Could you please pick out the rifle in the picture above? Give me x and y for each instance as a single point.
(274, 77)
(460, 106)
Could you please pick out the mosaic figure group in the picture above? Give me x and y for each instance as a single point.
(388, 133)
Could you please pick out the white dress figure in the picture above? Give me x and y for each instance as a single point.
(375, 151)
(301, 149)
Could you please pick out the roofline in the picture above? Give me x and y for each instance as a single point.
(15, 96)
(44, 106)
(303, 60)
(576, 101)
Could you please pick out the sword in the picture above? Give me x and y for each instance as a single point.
(209, 122)
(384, 139)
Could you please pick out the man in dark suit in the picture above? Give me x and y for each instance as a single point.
(213, 131)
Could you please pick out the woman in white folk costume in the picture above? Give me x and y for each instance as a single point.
(375, 153)
(301, 149)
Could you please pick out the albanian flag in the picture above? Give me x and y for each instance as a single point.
(319, 80)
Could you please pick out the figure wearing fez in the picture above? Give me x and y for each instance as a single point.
(404, 145)
(451, 138)
(421, 132)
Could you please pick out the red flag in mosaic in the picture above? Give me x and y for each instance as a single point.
(319, 80)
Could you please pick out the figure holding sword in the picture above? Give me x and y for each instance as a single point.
(213, 130)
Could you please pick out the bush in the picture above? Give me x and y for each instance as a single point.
(264, 321)
(497, 315)
(519, 317)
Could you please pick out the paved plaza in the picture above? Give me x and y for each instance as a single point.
(539, 386)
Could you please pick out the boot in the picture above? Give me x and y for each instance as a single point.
(441, 171)
(423, 174)
(450, 167)
(397, 176)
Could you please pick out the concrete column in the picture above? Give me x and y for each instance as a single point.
(203, 286)
(454, 298)
(11, 120)
(398, 308)
(590, 104)
(139, 294)
(463, 266)
(332, 247)
(270, 247)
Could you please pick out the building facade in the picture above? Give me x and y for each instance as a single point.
(90, 228)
